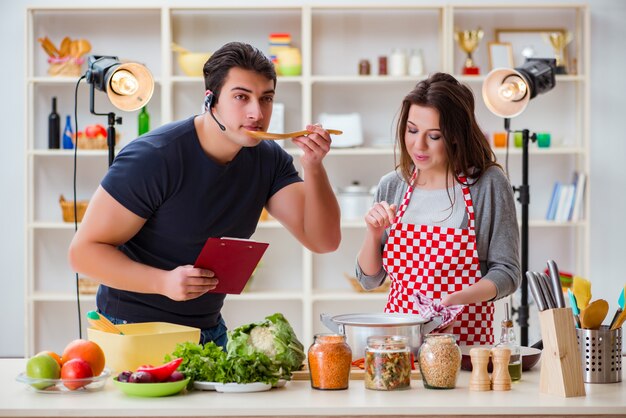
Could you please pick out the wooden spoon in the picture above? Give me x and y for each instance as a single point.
(592, 316)
(268, 135)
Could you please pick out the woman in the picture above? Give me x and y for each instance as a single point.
(444, 224)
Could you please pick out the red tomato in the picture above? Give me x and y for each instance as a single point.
(95, 131)
(75, 369)
(163, 372)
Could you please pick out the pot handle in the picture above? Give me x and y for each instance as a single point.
(434, 322)
(330, 324)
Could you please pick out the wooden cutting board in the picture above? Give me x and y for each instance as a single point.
(355, 374)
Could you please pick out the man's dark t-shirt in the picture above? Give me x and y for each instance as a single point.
(166, 178)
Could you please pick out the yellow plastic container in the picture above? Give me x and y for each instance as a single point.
(142, 343)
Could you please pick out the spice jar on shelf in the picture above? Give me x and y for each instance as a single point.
(330, 360)
(440, 361)
(387, 363)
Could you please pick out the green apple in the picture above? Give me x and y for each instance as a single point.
(43, 366)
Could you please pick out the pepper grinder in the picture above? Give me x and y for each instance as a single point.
(501, 379)
(479, 380)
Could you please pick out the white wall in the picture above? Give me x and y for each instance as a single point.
(608, 150)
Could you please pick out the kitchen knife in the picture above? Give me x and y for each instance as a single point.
(544, 281)
(536, 291)
(556, 284)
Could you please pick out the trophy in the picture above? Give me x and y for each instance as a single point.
(559, 41)
(468, 40)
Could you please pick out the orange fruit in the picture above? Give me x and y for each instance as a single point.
(53, 355)
(85, 350)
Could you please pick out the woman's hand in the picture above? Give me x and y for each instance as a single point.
(380, 217)
(188, 282)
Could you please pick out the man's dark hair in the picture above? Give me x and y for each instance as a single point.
(235, 55)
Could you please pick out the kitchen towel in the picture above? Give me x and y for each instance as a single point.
(429, 308)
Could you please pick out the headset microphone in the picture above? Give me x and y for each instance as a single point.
(208, 106)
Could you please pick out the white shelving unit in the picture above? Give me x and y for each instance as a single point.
(332, 40)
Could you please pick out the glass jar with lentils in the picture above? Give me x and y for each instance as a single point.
(439, 361)
(330, 360)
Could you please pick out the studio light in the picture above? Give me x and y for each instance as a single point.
(129, 87)
(506, 93)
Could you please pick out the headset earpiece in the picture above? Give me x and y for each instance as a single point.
(208, 102)
(208, 99)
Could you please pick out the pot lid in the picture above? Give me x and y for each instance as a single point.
(378, 319)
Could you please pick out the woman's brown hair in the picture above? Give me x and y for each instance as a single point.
(466, 146)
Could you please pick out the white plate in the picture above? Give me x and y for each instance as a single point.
(280, 383)
(205, 385)
(242, 387)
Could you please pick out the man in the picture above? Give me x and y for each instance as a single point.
(171, 189)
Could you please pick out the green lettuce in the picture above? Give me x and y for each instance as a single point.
(263, 351)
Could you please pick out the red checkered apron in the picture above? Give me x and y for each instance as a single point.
(437, 261)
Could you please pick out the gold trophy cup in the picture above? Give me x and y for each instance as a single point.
(468, 40)
(559, 41)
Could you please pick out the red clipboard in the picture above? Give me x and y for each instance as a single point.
(233, 261)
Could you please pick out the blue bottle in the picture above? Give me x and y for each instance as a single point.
(68, 133)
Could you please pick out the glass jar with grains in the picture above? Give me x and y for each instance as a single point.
(330, 360)
(440, 361)
(387, 363)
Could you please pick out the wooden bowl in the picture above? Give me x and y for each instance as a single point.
(530, 357)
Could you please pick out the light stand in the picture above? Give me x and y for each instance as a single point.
(112, 120)
(524, 199)
(129, 87)
(506, 93)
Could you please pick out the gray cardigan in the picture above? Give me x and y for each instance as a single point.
(496, 229)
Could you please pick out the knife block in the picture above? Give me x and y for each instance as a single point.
(561, 368)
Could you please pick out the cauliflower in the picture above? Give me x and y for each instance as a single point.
(262, 338)
(272, 337)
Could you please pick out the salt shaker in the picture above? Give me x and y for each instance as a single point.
(479, 380)
(501, 379)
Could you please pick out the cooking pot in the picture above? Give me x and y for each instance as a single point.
(357, 327)
(354, 200)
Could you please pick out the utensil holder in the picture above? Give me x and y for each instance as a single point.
(600, 354)
(561, 369)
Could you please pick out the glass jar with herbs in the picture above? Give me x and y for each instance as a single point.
(440, 361)
(330, 360)
(387, 363)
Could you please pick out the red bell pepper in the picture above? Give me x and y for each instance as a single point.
(162, 372)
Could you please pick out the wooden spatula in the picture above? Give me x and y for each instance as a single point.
(268, 135)
(592, 316)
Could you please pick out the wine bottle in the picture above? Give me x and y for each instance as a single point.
(54, 127)
(67, 134)
(143, 121)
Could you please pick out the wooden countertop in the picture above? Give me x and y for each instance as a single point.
(298, 399)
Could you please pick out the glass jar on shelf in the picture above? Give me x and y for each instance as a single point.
(330, 361)
(440, 361)
(387, 363)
